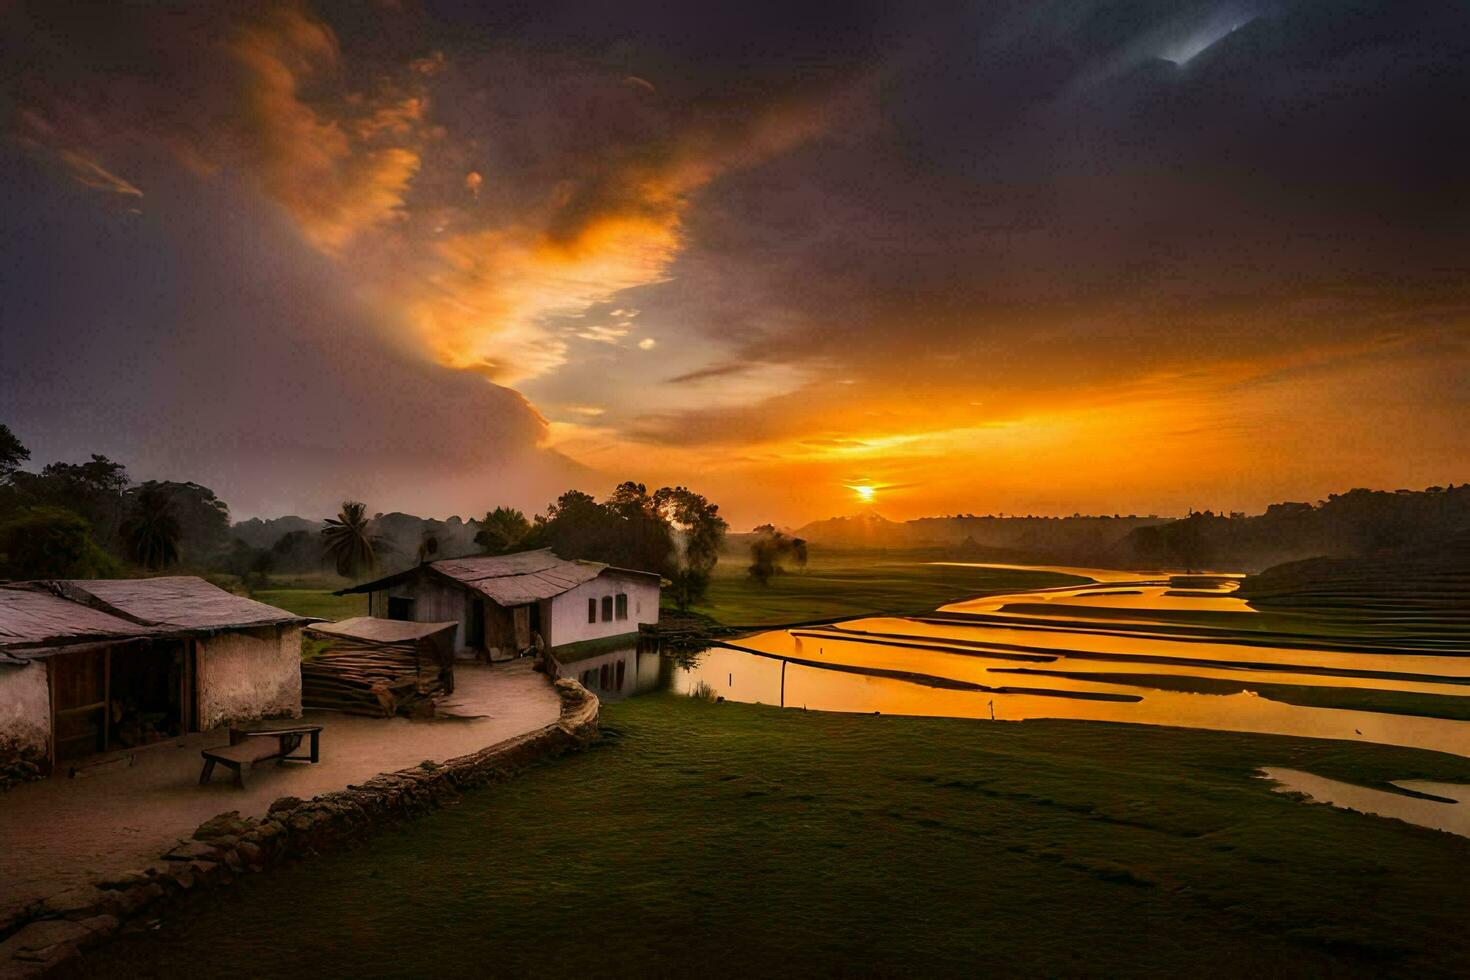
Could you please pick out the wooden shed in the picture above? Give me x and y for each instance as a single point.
(378, 666)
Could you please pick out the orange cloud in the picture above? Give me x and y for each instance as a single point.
(337, 180)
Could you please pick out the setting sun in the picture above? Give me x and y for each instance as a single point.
(864, 493)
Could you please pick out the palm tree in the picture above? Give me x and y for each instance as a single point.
(151, 532)
(502, 531)
(349, 540)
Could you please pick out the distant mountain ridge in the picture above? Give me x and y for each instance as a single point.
(1357, 524)
(1078, 535)
(1360, 523)
(401, 536)
(259, 533)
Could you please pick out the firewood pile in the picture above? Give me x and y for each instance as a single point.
(376, 679)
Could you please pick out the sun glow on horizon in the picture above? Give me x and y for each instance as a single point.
(864, 492)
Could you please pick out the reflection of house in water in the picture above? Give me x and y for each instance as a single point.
(503, 602)
(88, 666)
(615, 674)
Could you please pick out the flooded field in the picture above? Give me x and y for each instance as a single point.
(1139, 648)
(1131, 647)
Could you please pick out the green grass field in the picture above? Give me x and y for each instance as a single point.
(855, 583)
(728, 840)
(313, 602)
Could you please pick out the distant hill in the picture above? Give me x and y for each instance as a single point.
(404, 534)
(992, 538)
(259, 533)
(1421, 592)
(1357, 524)
(401, 537)
(867, 530)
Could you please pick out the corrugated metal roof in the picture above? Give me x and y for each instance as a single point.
(377, 630)
(514, 580)
(181, 601)
(511, 580)
(31, 616)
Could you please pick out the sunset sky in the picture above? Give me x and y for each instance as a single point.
(1022, 256)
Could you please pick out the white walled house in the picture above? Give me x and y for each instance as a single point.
(89, 666)
(503, 603)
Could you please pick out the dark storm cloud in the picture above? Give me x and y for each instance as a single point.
(202, 339)
(837, 225)
(1048, 196)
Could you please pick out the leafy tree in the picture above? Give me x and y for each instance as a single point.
(50, 542)
(770, 550)
(12, 453)
(674, 531)
(151, 532)
(699, 533)
(642, 535)
(203, 519)
(254, 565)
(93, 489)
(577, 526)
(503, 530)
(348, 540)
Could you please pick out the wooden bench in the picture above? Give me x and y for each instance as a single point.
(249, 746)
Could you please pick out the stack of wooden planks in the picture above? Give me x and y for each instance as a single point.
(377, 679)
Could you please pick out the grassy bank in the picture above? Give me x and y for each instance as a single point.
(730, 840)
(313, 602)
(857, 583)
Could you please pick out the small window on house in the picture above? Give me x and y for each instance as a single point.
(622, 606)
(400, 607)
(607, 609)
(591, 610)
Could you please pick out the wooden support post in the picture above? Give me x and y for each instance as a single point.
(106, 698)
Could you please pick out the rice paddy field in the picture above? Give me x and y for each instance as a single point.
(835, 584)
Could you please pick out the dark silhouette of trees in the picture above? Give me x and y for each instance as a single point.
(699, 531)
(50, 542)
(151, 532)
(575, 525)
(203, 519)
(771, 550)
(503, 531)
(348, 540)
(12, 453)
(93, 489)
(1359, 523)
(673, 531)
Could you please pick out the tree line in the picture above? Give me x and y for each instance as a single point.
(90, 520)
(673, 531)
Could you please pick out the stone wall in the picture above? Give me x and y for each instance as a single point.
(25, 723)
(59, 928)
(246, 675)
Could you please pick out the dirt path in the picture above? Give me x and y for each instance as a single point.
(62, 832)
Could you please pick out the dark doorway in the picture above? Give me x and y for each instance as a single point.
(400, 607)
(79, 704)
(146, 696)
(120, 697)
(475, 627)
